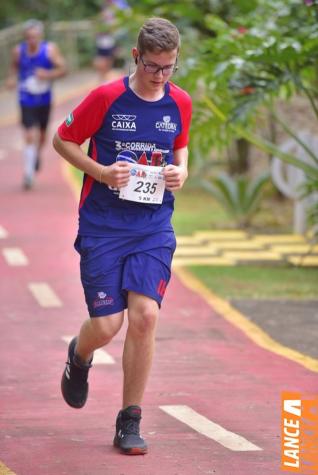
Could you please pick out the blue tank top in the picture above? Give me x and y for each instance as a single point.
(34, 92)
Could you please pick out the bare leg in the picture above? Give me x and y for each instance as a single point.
(41, 143)
(31, 136)
(103, 66)
(97, 332)
(139, 346)
(42, 139)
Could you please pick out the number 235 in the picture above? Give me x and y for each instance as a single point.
(146, 187)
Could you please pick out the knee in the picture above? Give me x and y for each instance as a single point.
(30, 136)
(143, 321)
(105, 328)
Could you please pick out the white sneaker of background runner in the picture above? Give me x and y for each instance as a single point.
(30, 152)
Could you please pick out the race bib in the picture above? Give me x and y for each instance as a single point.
(146, 185)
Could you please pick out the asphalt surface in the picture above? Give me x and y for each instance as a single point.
(293, 323)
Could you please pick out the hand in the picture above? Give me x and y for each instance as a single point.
(116, 175)
(43, 74)
(11, 82)
(175, 177)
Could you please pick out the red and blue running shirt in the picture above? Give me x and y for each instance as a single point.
(122, 126)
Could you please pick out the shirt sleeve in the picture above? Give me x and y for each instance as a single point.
(184, 103)
(86, 118)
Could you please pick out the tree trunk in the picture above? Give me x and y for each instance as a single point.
(238, 157)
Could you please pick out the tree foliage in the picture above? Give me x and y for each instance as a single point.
(240, 196)
(245, 65)
(17, 11)
(237, 60)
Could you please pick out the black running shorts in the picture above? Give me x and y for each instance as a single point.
(35, 116)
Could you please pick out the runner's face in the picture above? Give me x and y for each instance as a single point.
(33, 37)
(155, 81)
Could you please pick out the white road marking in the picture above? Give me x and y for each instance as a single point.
(3, 233)
(18, 145)
(100, 356)
(15, 256)
(204, 426)
(44, 295)
(3, 154)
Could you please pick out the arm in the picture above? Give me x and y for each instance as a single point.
(116, 175)
(11, 80)
(59, 64)
(176, 174)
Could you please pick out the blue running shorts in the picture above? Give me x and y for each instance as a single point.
(112, 266)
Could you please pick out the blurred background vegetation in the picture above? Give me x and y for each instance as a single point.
(251, 67)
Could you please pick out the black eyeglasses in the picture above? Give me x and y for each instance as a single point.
(154, 68)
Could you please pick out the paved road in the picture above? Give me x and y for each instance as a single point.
(294, 323)
(207, 371)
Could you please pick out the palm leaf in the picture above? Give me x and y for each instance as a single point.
(261, 143)
(238, 195)
(220, 193)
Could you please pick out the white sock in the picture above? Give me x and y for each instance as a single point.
(30, 152)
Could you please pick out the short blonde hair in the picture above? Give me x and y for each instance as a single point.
(158, 34)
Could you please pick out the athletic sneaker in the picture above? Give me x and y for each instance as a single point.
(127, 437)
(27, 183)
(74, 383)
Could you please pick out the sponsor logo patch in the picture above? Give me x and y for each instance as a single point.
(166, 125)
(69, 119)
(124, 122)
(103, 300)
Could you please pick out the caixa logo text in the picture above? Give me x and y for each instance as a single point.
(124, 122)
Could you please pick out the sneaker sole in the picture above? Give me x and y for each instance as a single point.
(132, 450)
(135, 451)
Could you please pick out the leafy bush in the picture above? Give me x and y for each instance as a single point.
(239, 195)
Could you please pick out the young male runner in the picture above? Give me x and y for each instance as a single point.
(138, 128)
(36, 63)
